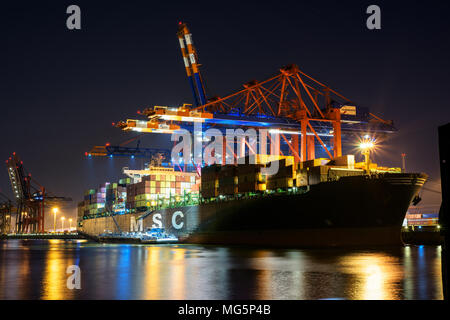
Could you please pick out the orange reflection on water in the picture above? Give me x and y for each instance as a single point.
(152, 277)
(261, 262)
(164, 273)
(376, 275)
(54, 285)
(25, 273)
(177, 269)
(438, 271)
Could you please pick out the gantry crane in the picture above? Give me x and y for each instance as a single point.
(305, 112)
(30, 196)
(121, 150)
(6, 209)
(190, 59)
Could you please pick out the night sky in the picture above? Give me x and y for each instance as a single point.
(61, 89)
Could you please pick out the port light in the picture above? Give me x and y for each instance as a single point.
(366, 145)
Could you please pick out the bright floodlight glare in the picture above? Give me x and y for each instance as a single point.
(366, 145)
(55, 210)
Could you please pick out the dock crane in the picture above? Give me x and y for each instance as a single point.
(196, 83)
(305, 112)
(121, 150)
(190, 59)
(30, 196)
(6, 209)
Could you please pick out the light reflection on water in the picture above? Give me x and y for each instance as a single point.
(36, 269)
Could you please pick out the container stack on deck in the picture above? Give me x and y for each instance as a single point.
(137, 195)
(250, 178)
(228, 180)
(127, 196)
(159, 185)
(94, 200)
(210, 181)
(284, 178)
(115, 197)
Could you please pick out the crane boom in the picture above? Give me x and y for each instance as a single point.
(17, 177)
(31, 198)
(191, 63)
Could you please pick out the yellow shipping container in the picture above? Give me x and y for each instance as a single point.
(265, 158)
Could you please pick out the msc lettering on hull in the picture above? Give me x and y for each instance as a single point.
(177, 222)
(136, 226)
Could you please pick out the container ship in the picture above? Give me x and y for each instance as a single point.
(315, 203)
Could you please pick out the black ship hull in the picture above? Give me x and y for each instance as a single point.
(353, 211)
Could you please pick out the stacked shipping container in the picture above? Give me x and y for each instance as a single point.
(160, 184)
(228, 180)
(247, 177)
(115, 197)
(250, 178)
(284, 178)
(415, 218)
(210, 181)
(94, 200)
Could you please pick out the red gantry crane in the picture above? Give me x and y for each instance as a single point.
(305, 112)
(6, 209)
(30, 197)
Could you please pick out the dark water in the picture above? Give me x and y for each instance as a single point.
(36, 269)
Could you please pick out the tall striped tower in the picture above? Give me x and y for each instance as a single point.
(187, 65)
(190, 62)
